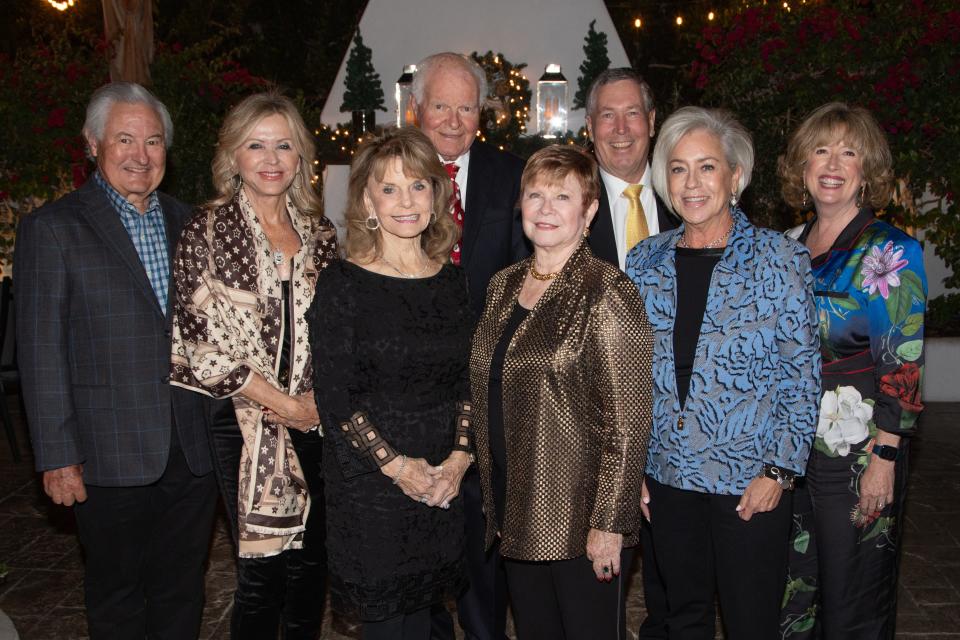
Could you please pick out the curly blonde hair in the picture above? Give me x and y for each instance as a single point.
(419, 160)
(827, 124)
(238, 124)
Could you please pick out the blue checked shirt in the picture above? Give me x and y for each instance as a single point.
(149, 236)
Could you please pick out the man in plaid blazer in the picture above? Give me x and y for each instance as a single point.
(110, 435)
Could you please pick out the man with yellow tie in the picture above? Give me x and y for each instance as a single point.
(620, 121)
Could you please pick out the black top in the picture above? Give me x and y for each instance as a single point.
(283, 375)
(694, 271)
(498, 444)
(398, 350)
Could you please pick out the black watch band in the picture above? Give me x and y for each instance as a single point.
(782, 476)
(886, 452)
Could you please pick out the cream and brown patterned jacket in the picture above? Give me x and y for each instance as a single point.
(577, 397)
(228, 324)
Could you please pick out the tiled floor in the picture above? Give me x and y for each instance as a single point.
(42, 592)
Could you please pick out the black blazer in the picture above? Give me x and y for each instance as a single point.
(602, 240)
(94, 346)
(492, 235)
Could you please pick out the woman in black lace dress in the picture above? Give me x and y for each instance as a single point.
(390, 337)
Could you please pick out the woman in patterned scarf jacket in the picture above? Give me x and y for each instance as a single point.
(245, 272)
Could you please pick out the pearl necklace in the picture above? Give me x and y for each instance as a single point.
(682, 244)
(406, 275)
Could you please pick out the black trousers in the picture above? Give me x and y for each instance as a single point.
(409, 626)
(285, 590)
(482, 609)
(654, 626)
(145, 550)
(704, 549)
(563, 600)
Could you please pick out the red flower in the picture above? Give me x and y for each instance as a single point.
(904, 384)
(79, 174)
(57, 118)
(771, 46)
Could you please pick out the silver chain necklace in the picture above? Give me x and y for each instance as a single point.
(406, 275)
(710, 245)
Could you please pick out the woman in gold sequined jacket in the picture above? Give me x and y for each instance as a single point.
(560, 376)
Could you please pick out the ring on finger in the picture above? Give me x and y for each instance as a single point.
(606, 569)
(423, 499)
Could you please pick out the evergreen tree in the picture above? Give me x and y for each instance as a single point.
(595, 61)
(364, 91)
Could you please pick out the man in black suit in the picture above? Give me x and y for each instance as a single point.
(110, 435)
(620, 120)
(448, 93)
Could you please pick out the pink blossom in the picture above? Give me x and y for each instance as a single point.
(880, 269)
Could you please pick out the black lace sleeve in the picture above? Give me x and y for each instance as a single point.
(464, 434)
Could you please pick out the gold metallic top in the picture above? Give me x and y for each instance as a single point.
(577, 398)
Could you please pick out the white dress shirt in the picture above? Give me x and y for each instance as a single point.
(619, 204)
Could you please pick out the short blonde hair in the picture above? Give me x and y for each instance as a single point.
(554, 163)
(830, 123)
(419, 160)
(238, 124)
(735, 140)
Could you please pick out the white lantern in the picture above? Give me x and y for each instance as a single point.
(552, 102)
(405, 114)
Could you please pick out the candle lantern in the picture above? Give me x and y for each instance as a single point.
(552, 102)
(405, 114)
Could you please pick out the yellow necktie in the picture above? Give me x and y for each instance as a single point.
(637, 229)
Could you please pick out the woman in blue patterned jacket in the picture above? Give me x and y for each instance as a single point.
(736, 380)
(871, 292)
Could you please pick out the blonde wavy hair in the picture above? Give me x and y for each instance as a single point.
(419, 160)
(827, 124)
(236, 128)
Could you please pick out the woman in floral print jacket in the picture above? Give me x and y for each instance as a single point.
(870, 292)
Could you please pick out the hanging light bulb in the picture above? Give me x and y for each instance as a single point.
(61, 6)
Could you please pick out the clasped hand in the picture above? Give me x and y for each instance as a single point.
(434, 486)
(299, 413)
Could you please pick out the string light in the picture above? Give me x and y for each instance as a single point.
(61, 6)
(679, 21)
(638, 23)
(710, 16)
